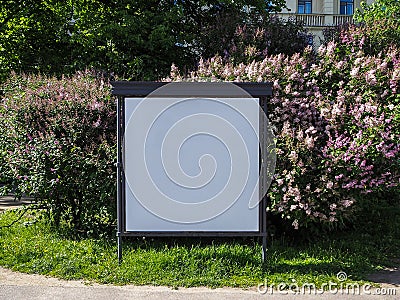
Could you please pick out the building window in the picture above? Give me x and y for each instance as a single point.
(346, 7)
(304, 7)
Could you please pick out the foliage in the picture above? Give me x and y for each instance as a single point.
(58, 145)
(332, 33)
(221, 263)
(377, 28)
(335, 114)
(135, 39)
(264, 35)
(336, 118)
(29, 38)
(372, 38)
(378, 10)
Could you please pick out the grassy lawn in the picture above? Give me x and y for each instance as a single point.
(32, 246)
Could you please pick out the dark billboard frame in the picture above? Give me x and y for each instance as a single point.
(134, 89)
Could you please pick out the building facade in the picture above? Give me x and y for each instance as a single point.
(318, 14)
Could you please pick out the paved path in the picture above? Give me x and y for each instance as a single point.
(14, 285)
(388, 276)
(8, 202)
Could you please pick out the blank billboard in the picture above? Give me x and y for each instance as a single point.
(191, 164)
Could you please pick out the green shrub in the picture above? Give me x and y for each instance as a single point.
(264, 35)
(379, 10)
(377, 28)
(336, 117)
(58, 145)
(135, 39)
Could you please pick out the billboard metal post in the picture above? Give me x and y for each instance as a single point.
(263, 187)
(119, 178)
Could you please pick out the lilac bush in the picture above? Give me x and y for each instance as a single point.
(336, 117)
(264, 35)
(372, 37)
(335, 114)
(58, 145)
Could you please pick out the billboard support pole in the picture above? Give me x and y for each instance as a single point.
(119, 179)
(262, 179)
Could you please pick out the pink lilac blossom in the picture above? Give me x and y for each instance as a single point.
(345, 134)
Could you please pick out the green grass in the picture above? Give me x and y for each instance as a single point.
(32, 246)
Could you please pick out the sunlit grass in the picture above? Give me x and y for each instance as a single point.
(32, 246)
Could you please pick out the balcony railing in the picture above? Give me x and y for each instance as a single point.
(311, 20)
(319, 20)
(341, 19)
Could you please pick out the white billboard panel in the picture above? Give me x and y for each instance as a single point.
(191, 164)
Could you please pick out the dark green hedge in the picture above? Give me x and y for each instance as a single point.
(137, 40)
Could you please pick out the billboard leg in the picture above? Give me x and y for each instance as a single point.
(119, 178)
(119, 251)
(264, 248)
